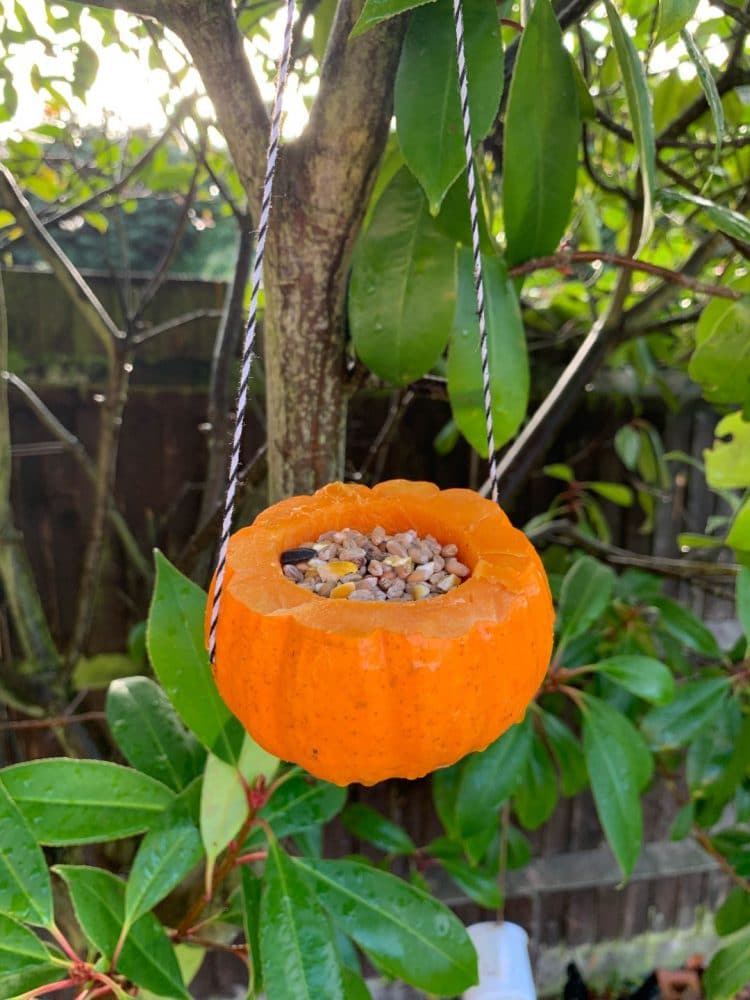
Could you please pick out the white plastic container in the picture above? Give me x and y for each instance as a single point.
(504, 966)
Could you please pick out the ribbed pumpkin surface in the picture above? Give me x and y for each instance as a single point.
(367, 691)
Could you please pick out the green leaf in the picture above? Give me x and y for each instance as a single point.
(614, 492)
(728, 462)
(639, 105)
(508, 359)
(536, 795)
(685, 627)
(619, 766)
(734, 912)
(166, 855)
(355, 988)
(299, 957)
(251, 896)
(683, 822)
(302, 802)
(726, 219)
(446, 782)
(729, 970)
(706, 77)
(67, 801)
(375, 11)
(479, 885)
(16, 985)
(368, 824)
(97, 672)
(628, 446)
(147, 956)
(409, 934)
(559, 471)
(642, 675)
(402, 294)
(567, 752)
(693, 707)
(22, 954)
(540, 149)
(149, 733)
(25, 890)
(739, 533)
(490, 777)
(426, 100)
(673, 16)
(743, 600)
(721, 360)
(85, 68)
(586, 593)
(179, 658)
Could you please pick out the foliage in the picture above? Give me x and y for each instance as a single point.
(229, 839)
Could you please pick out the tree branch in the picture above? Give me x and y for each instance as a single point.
(176, 323)
(78, 290)
(210, 33)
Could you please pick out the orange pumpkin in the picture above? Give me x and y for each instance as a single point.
(368, 691)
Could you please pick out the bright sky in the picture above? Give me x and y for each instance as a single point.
(126, 88)
(129, 92)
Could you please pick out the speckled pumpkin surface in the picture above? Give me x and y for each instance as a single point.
(360, 692)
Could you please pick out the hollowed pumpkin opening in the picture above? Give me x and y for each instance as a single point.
(367, 691)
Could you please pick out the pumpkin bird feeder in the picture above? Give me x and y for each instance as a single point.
(426, 667)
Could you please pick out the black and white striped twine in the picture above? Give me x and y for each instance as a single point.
(249, 342)
(463, 88)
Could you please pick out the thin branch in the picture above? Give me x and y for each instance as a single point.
(682, 569)
(707, 844)
(73, 445)
(400, 402)
(57, 721)
(65, 271)
(565, 258)
(161, 271)
(176, 323)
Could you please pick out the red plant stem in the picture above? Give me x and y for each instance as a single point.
(64, 984)
(573, 693)
(564, 260)
(245, 859)
(66, 946)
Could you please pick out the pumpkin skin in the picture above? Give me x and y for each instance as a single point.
(363, 691)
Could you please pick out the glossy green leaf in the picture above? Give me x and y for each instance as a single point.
(301, 802)
(149, 733)
(614, 492)
(355, 988)
(540, 149)
(684, 626)
(178, 655)
(619, 766)
(446, 782)
(628, 446)
(673, 16)
(147, 956)
(734, 912)
(639, 106)
(739, 533)
(508, 359)
(67, 801)
(536, 796)
(402, 294)
(375, 11)
(693, 707)
(22, 954)
(409, 934)
(488, 778)
(585, 595)
(568, 754)
(25, 890)
(368, 824)
(729, 970)
(296, 943)
(426, 100)
(728, 462)
(706, 77)
(251, 897)
(642, 675)
(743, 600)
(721, 360)
(166, 855)
(479, 885)
(17, 985)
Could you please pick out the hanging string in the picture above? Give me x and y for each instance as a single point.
(249, 341)
(474, 216)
